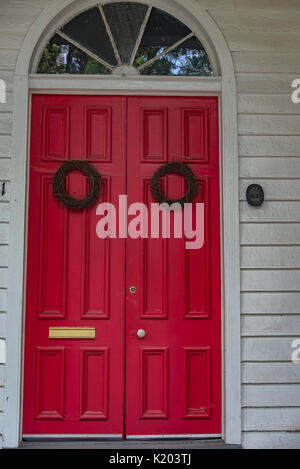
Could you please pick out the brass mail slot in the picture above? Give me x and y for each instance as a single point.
(72, 332)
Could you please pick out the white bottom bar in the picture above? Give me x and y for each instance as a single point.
(120, 436)
(132, 437)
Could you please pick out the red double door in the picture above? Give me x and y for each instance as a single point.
(113, 382)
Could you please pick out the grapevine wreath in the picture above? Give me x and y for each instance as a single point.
(179, 168)
(59, 184)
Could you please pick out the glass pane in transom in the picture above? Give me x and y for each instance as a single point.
(59, 56)
(163, 29)
(188, 59)
(125, 21)
(88, 29)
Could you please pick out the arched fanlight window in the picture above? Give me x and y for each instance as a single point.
(125, 38)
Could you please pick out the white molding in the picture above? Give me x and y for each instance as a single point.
(16, 262)
(135, 84)
(205, 28)
(191, 436)
(231, 264)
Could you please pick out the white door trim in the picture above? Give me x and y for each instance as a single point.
(95, 84)
(226, 86)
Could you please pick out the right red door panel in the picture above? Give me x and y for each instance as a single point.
(173, 373)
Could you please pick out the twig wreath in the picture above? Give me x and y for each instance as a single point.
(179, 168)
(59, 184)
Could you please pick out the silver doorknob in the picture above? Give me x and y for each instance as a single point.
(141, 333)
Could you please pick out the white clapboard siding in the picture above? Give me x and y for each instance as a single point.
(268, 124)
(7, 76)
(1, 427)
(270, 168)
(3, 255)
(254, 326)
(274, 189)
(5, 169)
(270, 280)
(7, 106)
(270, 233)
(29, 3)
(262, 349)
(3, 300)
(5, 122)
(252, 20)
(270, 257)
(272, 419)
(270, 5)
(267, 104)
(1, 375)
(264, 82)
(270, 303)
(249, 5)
(270, 372)
(271, 395)
(286, 211)
(247, 41)
(271, 440)
(273, 145)
(18, 17)
(3, 277)
(4, 212)
(5, 146)
(1, 397)
(2, 324)
(8, 59)
(266, 62)
(260, 5)
(4, 233)
(11, 38)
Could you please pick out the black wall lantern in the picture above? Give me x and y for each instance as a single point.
(255, 195)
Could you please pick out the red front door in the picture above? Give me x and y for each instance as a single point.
(115, 383)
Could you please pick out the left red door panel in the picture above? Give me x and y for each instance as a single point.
(74, 279)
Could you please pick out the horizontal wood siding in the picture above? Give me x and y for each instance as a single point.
(270, 373)
(273, 440)
(270, 233)
(264, 42)
(271, 103)
(270, 280)
(263, 36)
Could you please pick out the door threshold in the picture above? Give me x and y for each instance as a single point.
(186, 444)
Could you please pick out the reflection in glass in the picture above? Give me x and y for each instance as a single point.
(188, 59)
(62, 57)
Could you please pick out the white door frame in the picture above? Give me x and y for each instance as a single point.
(225, 87)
